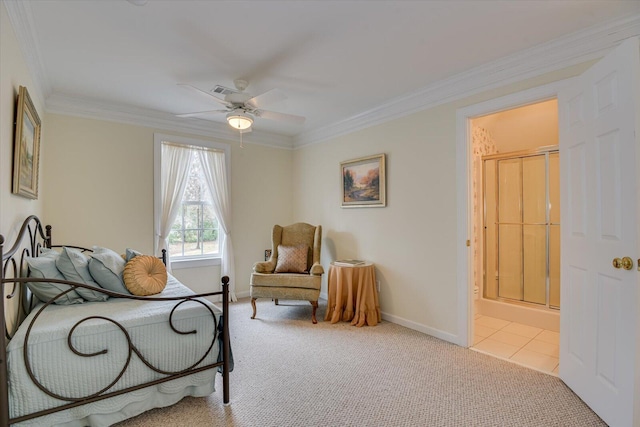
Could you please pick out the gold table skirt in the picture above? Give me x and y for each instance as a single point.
(353, 295)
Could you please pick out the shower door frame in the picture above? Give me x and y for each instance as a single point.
(543, 150)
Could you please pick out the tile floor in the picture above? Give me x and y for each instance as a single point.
(532, 347)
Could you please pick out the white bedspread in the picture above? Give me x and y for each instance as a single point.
(67, 374)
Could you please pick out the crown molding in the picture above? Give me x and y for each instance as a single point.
(581, 46)
(21, 18)
(87, 108)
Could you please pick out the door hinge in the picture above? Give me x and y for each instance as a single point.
(468, 242)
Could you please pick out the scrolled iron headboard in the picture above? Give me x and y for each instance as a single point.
(31, 238)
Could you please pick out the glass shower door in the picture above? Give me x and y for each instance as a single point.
(522, 211)
(510, 229)
(554, 230)
(534, 229)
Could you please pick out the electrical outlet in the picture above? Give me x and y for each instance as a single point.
(378, 285)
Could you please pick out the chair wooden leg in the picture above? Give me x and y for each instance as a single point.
(276, 300)
(314, 304)
(253, 304)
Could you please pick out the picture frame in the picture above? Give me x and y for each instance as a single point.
(363, 182)
(26, 147)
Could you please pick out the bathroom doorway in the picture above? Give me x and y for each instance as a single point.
(516, 235)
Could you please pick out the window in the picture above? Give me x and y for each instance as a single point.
(194, 238)
(194, 233)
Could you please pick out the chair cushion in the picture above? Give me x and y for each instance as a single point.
(145, 275)
(286, 280)
(292, 259)
(284, 293)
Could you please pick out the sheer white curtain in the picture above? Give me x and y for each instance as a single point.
(215, 173)
(176, 162)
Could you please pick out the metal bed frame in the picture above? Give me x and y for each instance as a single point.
(29, 241)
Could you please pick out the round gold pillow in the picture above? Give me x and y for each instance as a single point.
(145, 275)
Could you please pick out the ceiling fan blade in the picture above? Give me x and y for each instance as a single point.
(200, 113)
(273, 115)
(269, 97)
(215, 98)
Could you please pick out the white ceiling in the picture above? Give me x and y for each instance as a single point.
(334, 60)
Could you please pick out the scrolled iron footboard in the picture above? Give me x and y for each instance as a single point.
(32, 233)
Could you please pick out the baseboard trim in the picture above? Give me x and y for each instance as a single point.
(243, 294)
(446, 336)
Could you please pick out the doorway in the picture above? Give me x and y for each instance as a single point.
(516, 235)
(464, 158)
(466, 246)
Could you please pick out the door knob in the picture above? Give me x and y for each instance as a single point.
(617, 262)
(627, 263)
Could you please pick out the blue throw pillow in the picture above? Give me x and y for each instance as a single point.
(42, 267)
(106, 268)
(74, 266)
(130, 254)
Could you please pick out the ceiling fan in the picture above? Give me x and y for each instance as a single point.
(241, 107)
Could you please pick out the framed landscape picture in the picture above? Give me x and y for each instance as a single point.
(363, 182)
(26, 147)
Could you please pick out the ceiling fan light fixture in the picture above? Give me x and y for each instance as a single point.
(239, 120)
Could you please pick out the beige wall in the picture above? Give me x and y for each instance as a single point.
(99, 178)
(198, 279)
(13, 74)
(261, 187)
(413, 239)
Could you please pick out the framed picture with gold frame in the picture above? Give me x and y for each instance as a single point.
(363, 182)
(26, 147)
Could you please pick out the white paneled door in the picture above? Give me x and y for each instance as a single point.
(599, 196)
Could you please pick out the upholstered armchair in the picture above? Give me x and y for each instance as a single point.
(294, 271)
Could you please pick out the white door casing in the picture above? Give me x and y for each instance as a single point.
(599, 206)
(464, 184)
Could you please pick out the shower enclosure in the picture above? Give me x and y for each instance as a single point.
(522, 227)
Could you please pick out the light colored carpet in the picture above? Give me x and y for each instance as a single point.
(289, 372)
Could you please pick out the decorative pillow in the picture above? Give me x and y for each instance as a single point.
(74, 266)
(130, 254)
(145, 275)
(42, 267)
(292, 259)
(106, 268)
(47, 251)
